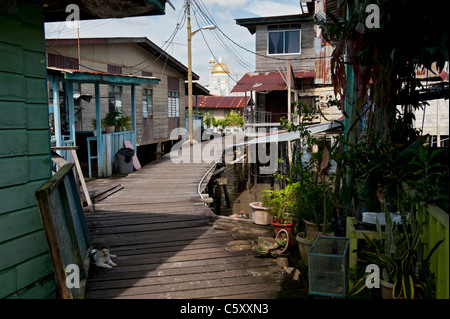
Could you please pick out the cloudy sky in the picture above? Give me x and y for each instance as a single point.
(161, 30)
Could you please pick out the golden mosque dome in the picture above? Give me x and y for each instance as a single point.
(220, 68)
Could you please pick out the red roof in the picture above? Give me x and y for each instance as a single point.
(218, 102)
(266, 81)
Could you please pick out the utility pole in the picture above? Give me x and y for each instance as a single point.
(190, 34)
(189, 40)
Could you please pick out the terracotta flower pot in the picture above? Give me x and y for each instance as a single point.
(290, 240)
(312, 229)
(110, 129)
(278, 225)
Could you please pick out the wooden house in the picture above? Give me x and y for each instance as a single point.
(286, 71)
(158, 107)
(219, 106)
(25, 265)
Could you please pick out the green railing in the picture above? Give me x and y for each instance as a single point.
(435, 228)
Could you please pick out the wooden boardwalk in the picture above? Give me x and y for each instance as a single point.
(166, 244)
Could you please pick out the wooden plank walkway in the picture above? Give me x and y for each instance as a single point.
(166, 244)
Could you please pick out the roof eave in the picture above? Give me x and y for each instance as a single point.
(251, 23)
(55, 10)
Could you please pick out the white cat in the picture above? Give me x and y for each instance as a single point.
(102, 257)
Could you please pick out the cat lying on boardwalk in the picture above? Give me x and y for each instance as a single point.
(102, 257)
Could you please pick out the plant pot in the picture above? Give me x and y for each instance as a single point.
(110, 128)
(304, 245)
(290, 240)
(312, 229)
(386, 289)
(279, 226)
(260, 215)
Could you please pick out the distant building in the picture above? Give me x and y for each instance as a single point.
(219, 79)
(287, 70)
(219, 106)
(159, 108)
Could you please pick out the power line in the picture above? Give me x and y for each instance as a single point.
(229, 49)
(167, 43)
(250, 51)
(206, 42)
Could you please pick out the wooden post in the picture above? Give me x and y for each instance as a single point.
(100, 172)
(56, 111)
(69, 96)
(133, 116)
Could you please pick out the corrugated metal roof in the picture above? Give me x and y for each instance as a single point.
(285, 136)
(266, 81)
(102, 76)
(144, 42)
(218, 102)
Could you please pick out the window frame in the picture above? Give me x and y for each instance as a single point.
(284, 29)
(147, 102)
(114, 93)
(173, 101)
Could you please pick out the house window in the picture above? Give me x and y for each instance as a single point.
(174, 104)
(147, 102)
(284, 39)
(173, 84)
(115, 98)
(61, 61)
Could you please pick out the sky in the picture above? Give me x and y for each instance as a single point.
(206, 44)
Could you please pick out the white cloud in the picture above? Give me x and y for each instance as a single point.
(273, 8)
(230, 4)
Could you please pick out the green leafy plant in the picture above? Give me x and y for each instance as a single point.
(281, 241)
(398, 257)
(123, 123)
(317, 193)
(94, 124)
(282, 203)
(111, 118)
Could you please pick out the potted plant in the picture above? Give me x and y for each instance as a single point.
(403, 273)
(304, 245)
(94, 126)
(110, 121)
(260, 214)
(285, 240)
(123, 123)
(282, 205)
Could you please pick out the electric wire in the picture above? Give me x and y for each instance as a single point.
(209, 48)
(208, 16)
(256, 53)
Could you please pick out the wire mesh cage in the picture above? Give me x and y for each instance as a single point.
(328, 266)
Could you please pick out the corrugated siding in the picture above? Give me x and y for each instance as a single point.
(25, 266)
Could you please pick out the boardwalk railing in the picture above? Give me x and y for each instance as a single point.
(110, 144)
(435, 228)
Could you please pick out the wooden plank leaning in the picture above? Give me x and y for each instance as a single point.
(66, 231)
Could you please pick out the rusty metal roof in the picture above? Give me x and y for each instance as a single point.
(219, 102)
(266, 81)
